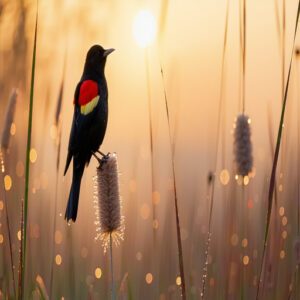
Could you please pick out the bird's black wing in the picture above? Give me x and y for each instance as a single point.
(85, 101)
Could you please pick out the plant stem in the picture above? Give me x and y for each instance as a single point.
(113, 296)
(27, 169)
(276, 155)
(8, 228)
(178, 231)
(151, 143)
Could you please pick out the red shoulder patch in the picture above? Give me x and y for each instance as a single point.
(88, 91)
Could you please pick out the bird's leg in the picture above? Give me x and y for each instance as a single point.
(98, 159)
(104, 156)
(101, 153)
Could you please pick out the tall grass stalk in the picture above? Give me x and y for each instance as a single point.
(113, 293)
(27, 169)
(9, 237)
(5, 138)
(221, 97)
(154, 229)
(151, 141)
(58, 125)
(276, 155)
(178, 230)
(20, 290)
(277, 21)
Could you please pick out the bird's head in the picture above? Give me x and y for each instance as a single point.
(96, 58)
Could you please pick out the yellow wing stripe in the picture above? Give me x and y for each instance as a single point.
(89, 107)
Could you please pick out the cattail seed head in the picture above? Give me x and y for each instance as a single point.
(243, 145)
(297, 250)
(107, 200)
(9, 117)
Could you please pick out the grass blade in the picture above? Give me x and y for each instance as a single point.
(178, 229)
(276, 155)
(27, 170)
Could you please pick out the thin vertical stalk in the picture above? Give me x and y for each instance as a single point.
(222, 85)
(58, 126)
(178, 230)
(20, 290)
(276, 155)
(8, 228)
(277, 22)
(113, 296)
(283, 48)
(244, 57)
(27, 169)
(151, 141)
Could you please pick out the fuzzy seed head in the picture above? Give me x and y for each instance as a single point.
(107, 200)
(243, 145)
(9, 117)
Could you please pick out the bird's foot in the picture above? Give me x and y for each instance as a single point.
(104, 160)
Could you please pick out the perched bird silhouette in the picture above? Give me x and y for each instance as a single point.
(89, 121)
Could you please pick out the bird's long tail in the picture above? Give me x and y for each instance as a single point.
(71, 210)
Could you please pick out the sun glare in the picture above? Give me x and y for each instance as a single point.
(144, 28)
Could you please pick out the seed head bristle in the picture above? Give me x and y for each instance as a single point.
(9, 117)
(243, 145)
(109, 220)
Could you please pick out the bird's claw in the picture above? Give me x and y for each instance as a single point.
(104, 159)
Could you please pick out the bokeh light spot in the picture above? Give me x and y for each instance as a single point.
(19, 235)
(1, 239)
(250, 203)
(7, 182)
(139, 256)
(20, 169)
(246, 180)
(281, 211)
(282, 254)
(284, 221)
(178, 280)
(58, 259)
(1, 205)
(145, 211)
(224, 177)
(246, 260)
(155, 224)
(234, 239)
(33, 155)
(149, 278)
(284, 234)
(13, 129)
(98, 273)
(58, 237)
(244, 243)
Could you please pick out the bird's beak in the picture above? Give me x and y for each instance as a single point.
(108, 51)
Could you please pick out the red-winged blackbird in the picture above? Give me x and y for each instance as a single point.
(89, 121)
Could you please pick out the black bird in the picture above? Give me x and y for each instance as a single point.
(89, 121)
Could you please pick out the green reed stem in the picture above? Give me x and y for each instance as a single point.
(276, 155)
(27, 169)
